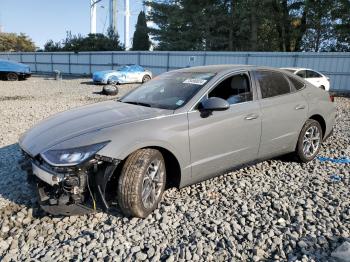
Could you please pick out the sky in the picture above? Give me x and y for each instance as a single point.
(42, 20)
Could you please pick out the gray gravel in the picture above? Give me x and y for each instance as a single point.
(275, 210)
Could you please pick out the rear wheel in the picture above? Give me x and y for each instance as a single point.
(12, 77)
(310, 140)
(142, 182)
(146, 78)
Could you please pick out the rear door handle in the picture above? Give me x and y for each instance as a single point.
(251, 117)
(299, 107)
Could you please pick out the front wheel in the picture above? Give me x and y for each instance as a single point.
(146, 78)
(141, 183)
(12, 77)
(310, 140)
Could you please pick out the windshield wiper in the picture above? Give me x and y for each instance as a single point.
(137, 103)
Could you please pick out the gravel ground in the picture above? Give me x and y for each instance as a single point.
(275, 210)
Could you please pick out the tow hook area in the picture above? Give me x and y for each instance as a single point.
(71, 190)
(102, 177)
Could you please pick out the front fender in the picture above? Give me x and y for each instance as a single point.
(126, 151)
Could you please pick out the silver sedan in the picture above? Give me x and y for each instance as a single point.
(180, 128)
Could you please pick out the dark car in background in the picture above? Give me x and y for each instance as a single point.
(13, 71)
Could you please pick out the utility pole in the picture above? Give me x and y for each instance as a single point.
(127, 25)
(113, 15)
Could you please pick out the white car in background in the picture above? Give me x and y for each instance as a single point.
(123, 75)
(316, 78)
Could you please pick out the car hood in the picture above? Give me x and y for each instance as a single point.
(104, 73)
(13, 66)
(83, 120)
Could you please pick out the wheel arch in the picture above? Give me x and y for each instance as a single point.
(172, 162)
(172, 166)
(322, 122)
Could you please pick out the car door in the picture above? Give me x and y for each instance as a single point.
(284, 112)
(314, 78)
(225, 138)
(129, 75)
(133, 74)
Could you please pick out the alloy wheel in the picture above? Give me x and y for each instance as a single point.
(311, 141)
(152, 183)
(12, 77)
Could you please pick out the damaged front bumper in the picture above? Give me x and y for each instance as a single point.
(71, 190)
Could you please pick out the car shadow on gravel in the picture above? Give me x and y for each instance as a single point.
(89, 83)
(13, 180)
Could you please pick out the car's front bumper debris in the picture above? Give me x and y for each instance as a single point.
(71, 190)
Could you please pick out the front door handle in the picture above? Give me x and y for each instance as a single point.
(251, 117)
(299, 107)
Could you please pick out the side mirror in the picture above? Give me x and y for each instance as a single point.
(214, 104)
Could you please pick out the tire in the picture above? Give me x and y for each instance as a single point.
(304, 150)
(112, 82)
(146, 78)
(110, 90)
(322, 87)
(12, 76)
(134, 183)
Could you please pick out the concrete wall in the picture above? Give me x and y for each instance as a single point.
(334, 65)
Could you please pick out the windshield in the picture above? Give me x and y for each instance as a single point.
(123, 68)
(169, 91)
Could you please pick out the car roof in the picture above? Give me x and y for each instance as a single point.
(222, 69)
(296, 68)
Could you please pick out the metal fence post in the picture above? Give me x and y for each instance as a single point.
(112, 60)
(36, 67)
(138, 58)
(69, 69)
(168, 62)
(20, 57)
(205, 58)
(51, 58)
(247, 59)
(295, 62)
(90, 70)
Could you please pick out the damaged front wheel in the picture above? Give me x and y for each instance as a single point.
(141, 183)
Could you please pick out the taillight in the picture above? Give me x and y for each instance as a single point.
(331, 98)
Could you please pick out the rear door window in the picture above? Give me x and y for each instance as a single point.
(312, 74)
(272, 84)
(301, 73)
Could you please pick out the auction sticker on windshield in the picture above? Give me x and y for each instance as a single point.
(195, 81)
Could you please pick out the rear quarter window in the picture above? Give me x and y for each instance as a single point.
(312, 74)
(296, 83)
(272, 84)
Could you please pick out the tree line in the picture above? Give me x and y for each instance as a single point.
(219, 25)
(15, 43)
(102, 42)
(248, 25)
